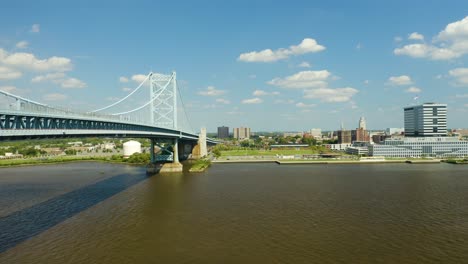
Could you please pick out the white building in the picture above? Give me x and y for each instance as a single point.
(316, 132)
(241, 133)
(441, 147)
(362, 123)
(339, 147)
(394, 131)
(428, 119)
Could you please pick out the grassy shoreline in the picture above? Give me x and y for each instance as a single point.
(59, 160)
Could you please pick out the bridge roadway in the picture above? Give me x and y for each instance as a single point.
(23, 125)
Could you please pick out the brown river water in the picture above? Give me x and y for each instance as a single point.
(235, 213)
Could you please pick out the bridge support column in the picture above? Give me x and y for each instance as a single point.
(175, 166)
(200, 150)
(152, 154)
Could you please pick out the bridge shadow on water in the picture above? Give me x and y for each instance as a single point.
(29, 222)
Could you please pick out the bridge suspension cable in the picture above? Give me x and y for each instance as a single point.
(147, 103)
(123, 99)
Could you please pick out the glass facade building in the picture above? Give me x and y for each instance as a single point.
(440, 147)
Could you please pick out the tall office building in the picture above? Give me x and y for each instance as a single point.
(223, 132)
(344, 136)
(241, 133)
(426, 120)
(362, 123)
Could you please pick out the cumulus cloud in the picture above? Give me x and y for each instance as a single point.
(304, 105)
(303, 79)
(30, 62)
(54, 97)
(138, 78)
(400, 80)
(331, 95)
(413, 90)
(72, 83)
(304, 64)
(308, 45)
(460, 75)
(9, 89)
(48, 77)
(9, 74)
(123, 79)
(211, 91)
(255, 100)
(61, 79)
(450, 43)
(415, 36)
(22, 45)
(223, 101)
(36, 28)
(126, 89)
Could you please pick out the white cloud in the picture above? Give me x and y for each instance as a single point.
(9, 74)
(461, 96)
(264, 93)
(29, 61)
(223, 101)
(400, 80)
(460, 75)
(303, 79)
(61, 79)
(22, 44)
(55, 97)
(413, 90)
(331, 95)
(359, 46)
(450, 43)
(123, 79)
(36, 28)
(139, 78)
(415, 36)
(48, 77)
(398, 39)
(255, 100)
(307, 45)
(9, 89)
(304, 105)
(211, 91)
(366, 82)
(72, 83)
(252, 76)
(304, 64)
(283, 101)
(126, 89)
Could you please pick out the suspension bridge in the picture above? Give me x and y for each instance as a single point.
(153, 110)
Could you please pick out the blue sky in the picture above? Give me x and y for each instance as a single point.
(281, 66)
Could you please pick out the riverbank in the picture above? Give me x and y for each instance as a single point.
(199, 165)
(59, 160)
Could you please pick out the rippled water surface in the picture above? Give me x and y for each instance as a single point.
(235, 213)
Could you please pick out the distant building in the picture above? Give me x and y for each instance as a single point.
(241, 133)
(442, 147)
(426, 120)
(223, 132)
(358, 148)
(360, 134)
(339, 147)
(289, 146)
(316, 132)
(394, 131)
(362, 123)
(379, 138)
(344, 136)
(293, 134)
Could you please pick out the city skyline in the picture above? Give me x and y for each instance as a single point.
(275, 68)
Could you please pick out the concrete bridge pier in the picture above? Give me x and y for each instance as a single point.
(175, 165)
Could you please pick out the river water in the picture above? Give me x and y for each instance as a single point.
(235, 213)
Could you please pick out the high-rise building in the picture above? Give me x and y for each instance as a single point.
(223, 132)
(426, 120)
(362, 123)
(241, 133)
(344, 136)
(360, 135)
